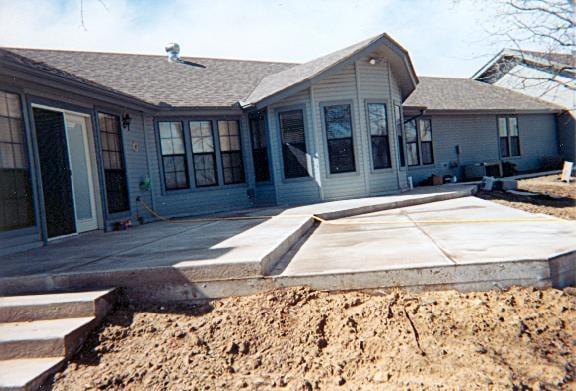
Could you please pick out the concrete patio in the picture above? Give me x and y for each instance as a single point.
(435, 236)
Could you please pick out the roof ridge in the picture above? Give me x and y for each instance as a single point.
(147, 55)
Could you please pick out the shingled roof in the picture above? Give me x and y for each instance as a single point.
(455, 94)
(152, 79)
(202, 82)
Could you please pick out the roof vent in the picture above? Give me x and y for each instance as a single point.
(173, 50)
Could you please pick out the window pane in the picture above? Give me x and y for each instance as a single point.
(338, 121)
(380, 152)
(425, 130)
(5, 133)
(178, 145)
(173, 153)
(259, 147)
(6, 156)
(16, 210)
(515, 146)
(165, 130)
(411, 131)
(513, 126)
(293, 143)
(166, 145)
(341, 155)
(205, 170)
(233, 168)
(502, 129)
(504, 152)
(427, 153)
(412, 152)
(377, 122)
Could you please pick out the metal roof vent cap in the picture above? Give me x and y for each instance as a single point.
(173, 50)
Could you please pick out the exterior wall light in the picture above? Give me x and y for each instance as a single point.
(373, 61)
(126, 119)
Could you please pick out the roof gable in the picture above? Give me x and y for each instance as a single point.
(560, 64)
(300, 76)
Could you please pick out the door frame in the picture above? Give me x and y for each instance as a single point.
(93, 173)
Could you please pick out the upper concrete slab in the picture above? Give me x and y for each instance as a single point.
(455, 232)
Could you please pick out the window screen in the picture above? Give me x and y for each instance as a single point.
(293, 143)
(514, 136)
(203, 153)
(173, 155)
(426, 141)
(400, 133)
(259, 147)
(411, 131)
(113, 157)
(231, 152)
(503, 135)
(16, 210)
(338, 119)
(378, 126)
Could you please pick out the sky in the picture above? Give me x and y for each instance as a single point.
(443, 37)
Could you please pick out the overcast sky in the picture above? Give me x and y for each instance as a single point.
(443, 37)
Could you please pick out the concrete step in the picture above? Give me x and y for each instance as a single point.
(43, 338)
(27, 374)
(54, 306)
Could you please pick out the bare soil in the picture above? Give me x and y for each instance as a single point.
(301, 339)
(554, 197)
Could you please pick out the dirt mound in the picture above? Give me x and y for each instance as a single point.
(303, 339)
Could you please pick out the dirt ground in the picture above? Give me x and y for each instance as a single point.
(555, 197)
(301, 339)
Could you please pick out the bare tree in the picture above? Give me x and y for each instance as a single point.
(548, 25)
(82, 21)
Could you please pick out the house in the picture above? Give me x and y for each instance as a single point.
(548, 76)
(88, 139)
(453, 123)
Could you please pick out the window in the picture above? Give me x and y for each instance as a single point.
(16, 209)
(338, 119)
(426, 141)
(412, 143)
(378, 126)
(293, 143)
(400, 133)
(259, 147)
(173, 155)
(231, 152)
(509, 136)
(203, 153)
(113, 157)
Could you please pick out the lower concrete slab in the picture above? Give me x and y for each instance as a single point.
(248, 244)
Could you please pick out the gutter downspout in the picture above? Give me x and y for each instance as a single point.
(397, 154)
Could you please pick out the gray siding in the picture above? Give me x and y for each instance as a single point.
(376, 83)
(477, 136)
